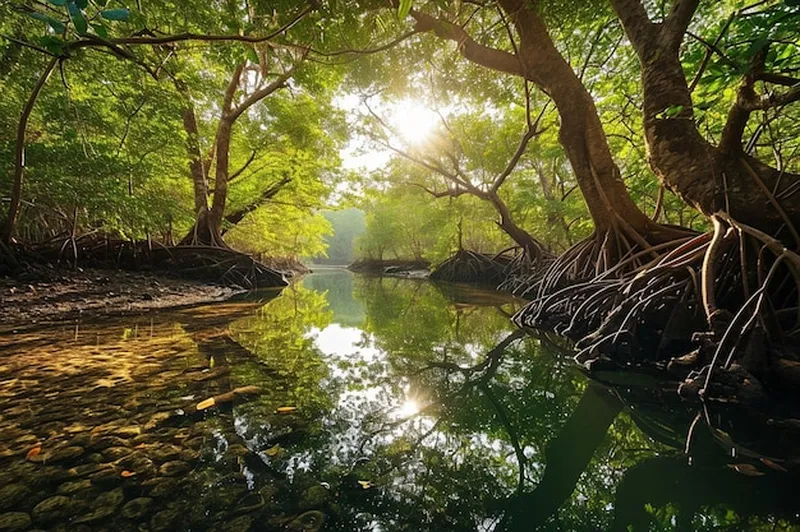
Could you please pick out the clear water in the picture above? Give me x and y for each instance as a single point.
(358, 403)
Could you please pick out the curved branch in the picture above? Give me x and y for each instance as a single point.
(467, 46)
(7, 231)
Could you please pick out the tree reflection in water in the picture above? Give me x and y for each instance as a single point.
(505, 434)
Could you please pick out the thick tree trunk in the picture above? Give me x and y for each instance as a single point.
(197, 167)
(217, 212)
(710, 178)
(581, 133)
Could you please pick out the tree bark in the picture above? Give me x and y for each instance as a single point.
(7, 232)
(581, 133)
(710, 178)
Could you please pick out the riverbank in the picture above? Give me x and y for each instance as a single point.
(61, 295)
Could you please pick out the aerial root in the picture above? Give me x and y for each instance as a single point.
(719, 306)
(471, 267)
(219, 265)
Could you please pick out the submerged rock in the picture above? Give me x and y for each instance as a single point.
(164, 520)
(55, 509)
(13, 494)
(174, 469)
(14, 521)
(137, 508)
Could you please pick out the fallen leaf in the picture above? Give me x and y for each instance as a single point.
(34, 452)
(208, 403)
(366, 484)
(286, 409)
(747, 469)
(272, 451)
(127, 474)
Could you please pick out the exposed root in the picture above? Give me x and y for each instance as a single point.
(218, 265)
(722, 305)
(471, 267)
(607, 255)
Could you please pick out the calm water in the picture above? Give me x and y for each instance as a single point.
(351, 403)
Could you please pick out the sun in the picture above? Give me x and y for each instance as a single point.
(413, 121)
(409, 408)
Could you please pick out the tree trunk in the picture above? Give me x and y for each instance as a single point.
(532, 247)
(710, 178)
(7, 231)
(581, 133)
(197, 167)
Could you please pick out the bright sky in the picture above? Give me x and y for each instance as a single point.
(410, 120)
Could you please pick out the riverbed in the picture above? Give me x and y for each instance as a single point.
(351, 403)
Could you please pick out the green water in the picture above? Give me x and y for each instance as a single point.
(354, 403)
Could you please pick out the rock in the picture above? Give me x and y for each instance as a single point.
(243, 523)
(128, 432)
(56, 508)
(165, 453)
(137, 508)
(137, 463)
(164, 520)
(110, 499)
(103, 442)
(313, 497)
(65, 454)
(174, 468)
(97, 514)
(13, 521)
(68, 488)
(189, 455)
(310, 521)
(106, 478)
(115, 453)
(163, 487)
(13, 494)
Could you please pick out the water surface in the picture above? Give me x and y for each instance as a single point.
(358, 403)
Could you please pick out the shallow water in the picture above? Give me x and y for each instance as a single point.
(359, 403)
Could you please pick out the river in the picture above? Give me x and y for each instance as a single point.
(351, 403)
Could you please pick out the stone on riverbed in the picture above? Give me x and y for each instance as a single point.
(14, 521)
(137, 508)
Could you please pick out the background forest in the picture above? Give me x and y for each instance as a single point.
(109, 148)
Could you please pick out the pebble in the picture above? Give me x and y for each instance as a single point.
(14, 521)
(174, 468)
(137, 508)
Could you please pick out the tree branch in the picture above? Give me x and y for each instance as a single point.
(677, 23)
(467, 46)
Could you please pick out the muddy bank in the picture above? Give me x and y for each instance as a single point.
(57, 295)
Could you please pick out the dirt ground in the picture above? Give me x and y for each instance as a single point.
(59, 295)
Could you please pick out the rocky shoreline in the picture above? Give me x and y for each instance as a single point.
(68, 295)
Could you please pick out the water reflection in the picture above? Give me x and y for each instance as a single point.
(351, 403)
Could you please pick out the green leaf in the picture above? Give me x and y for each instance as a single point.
(82, 4)
(81, 26)
(58, 2)
(54, 45)
(404, 9)
(115, 14)
(251, 54)
(57, 25)
(100, 30)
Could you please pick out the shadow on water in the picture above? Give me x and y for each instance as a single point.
(363, 403)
